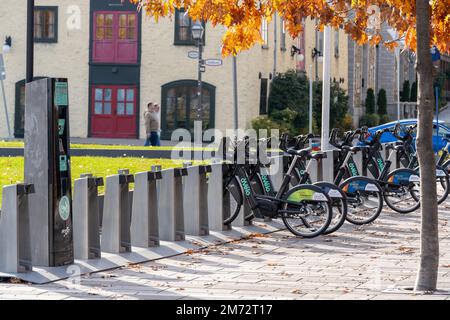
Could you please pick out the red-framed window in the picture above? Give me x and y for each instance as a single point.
(113, 111)
(115, 37)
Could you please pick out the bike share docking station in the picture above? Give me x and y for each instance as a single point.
(47, 167)
(86, 217)
(116, 224)
(170, 204)
(195, 200)
(39, 232)
(144, 222)
(15, 244)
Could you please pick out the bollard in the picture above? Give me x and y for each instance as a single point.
(15, 242)
(195, 198)
(144, 218)
(216, 209)
(86, 217)
(116, 214)
(170, 205)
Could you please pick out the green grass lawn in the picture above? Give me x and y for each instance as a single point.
(19, 144)
(11, 168)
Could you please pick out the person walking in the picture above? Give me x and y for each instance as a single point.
(151, 122)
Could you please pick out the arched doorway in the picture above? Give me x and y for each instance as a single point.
(180, 103)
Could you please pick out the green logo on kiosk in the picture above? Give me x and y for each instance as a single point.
(64, 208)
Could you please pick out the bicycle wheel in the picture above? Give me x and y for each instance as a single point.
(364, 199)
(338, 205)
(307, 212)
(398, 193)
(442, 185)
(232, 200)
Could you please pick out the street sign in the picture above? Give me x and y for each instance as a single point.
(193, 54)
(213, 62)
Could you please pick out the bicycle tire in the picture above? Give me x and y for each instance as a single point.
(440, 180)
(338, 203)
(316, 201)
(402, 178)
(233, 192)
(357, 187)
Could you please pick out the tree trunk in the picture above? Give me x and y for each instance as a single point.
(429, 248)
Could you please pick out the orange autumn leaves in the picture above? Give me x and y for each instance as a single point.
(242, 18)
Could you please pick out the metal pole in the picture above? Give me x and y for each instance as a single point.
(235, 94)
(310, 98)
(275, 40)
(199, 87)
(316, 63)
(436, 93)
(326, 88)
(30, 40)
(397, 56)
(6, 107)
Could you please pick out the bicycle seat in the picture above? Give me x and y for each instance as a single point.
(398, 147)
(300, 153)
(317, 155)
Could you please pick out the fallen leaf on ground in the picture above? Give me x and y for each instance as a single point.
(406, 250)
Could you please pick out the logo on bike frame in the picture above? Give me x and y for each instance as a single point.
(245, 186)
(353, 169)
(380, 164)
(266, 183)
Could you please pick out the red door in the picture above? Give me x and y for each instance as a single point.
(113, 113)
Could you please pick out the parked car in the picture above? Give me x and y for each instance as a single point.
(438, 142)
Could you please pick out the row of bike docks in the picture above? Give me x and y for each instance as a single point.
(164, 205)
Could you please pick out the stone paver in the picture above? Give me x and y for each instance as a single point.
(354, 263)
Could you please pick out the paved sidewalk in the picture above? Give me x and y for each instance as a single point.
(354, 263)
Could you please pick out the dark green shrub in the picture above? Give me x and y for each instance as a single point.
(413, 95)
(370, 120)
(338, 105)
(370, 101)
(265, 123)
(384, 119)
(382, 102)
(405, 92)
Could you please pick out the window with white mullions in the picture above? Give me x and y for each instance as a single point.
(183, 29)
(46, 24)
(125, 102)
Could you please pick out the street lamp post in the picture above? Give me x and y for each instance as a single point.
(316, 56)
(326, 87)
(30, 40)
(197, 35)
